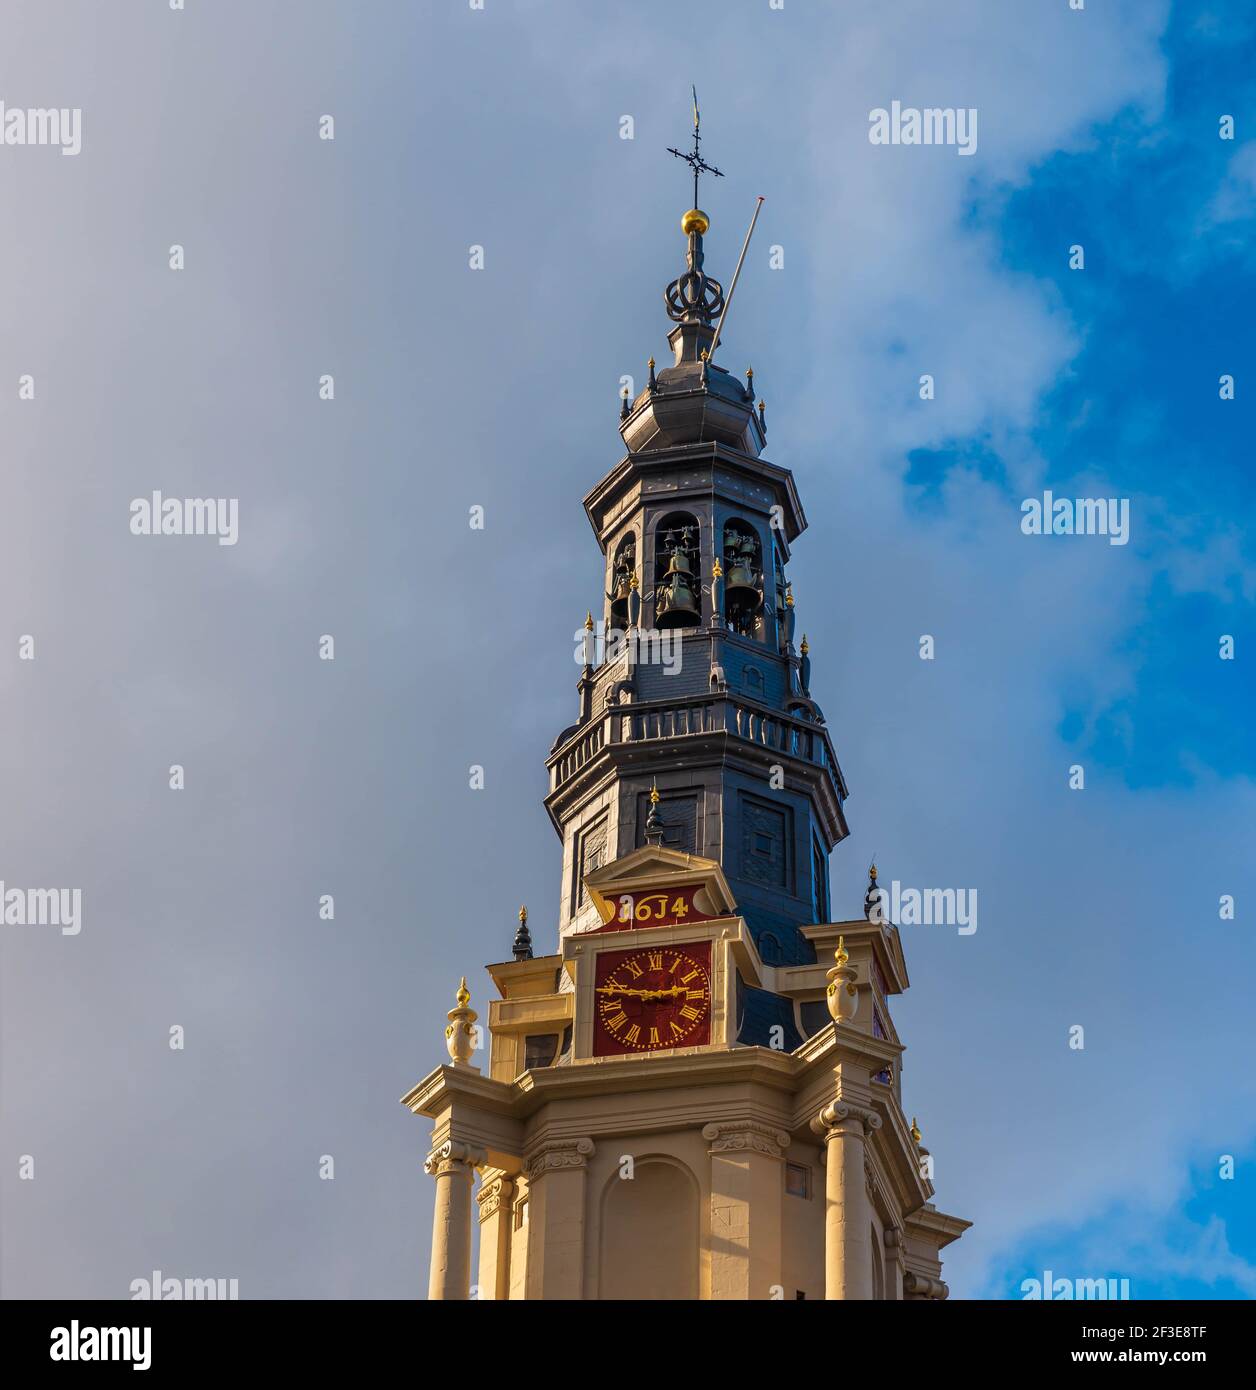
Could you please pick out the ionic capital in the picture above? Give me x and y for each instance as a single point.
(493, 1195)
(451, 1157)
(842, 1118)
(555, 1154)
(731, 1136)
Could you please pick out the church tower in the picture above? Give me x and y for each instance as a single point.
(698, 1094)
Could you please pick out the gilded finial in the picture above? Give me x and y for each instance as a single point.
(872, 873)
(460, 1035)
(695, 220)
(632, 583)
(588, 621)
(523, 916)
(650, 363)
(761, 406)
(789, 596)
(705, 354)
(841, 955)
(915, 1130)
(716, 569)
(804, 649)
(654, 794)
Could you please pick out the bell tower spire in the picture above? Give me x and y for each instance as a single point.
(701, 1011)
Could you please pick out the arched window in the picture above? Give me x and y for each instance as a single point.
(623, 568)
(677, 587)
(743, 579)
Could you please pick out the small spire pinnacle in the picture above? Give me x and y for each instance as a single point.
(463, 995)
(841, 955)
(588, 620)
(522, 948)
(804, 648)
(915, 1130)
(716, 570)
(873, 909)
(653, 821)
(789, 596)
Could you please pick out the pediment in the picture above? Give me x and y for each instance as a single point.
(655, 869)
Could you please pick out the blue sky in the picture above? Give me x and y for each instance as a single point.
(500, 128)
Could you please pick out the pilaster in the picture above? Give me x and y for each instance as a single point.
(494, 1202)
(747, 1188)
(557, 1172)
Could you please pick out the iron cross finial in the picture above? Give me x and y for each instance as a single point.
(694, 159)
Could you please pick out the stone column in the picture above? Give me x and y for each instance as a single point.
(557, 1172)
(747, 1192)
(451, 1164)
(494, 1202)
(847, 1217)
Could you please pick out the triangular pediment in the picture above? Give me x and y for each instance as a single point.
(655, 869)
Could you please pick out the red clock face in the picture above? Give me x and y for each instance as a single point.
(652, 997)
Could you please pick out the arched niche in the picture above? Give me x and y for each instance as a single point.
(677, 582)
(650, 1233)
(623, 568)
(742, 552)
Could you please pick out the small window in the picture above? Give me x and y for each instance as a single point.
(521, 1215)
(540, 1050)
(798, 1180)
(762, 843)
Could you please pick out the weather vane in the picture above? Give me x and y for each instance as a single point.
(695, 160)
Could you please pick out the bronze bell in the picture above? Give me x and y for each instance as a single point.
(743, 580)
(676, 604)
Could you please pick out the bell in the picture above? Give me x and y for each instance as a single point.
(676, 604)
(679, 563)
(741, 579)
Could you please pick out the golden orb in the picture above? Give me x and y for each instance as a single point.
(695, 220)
